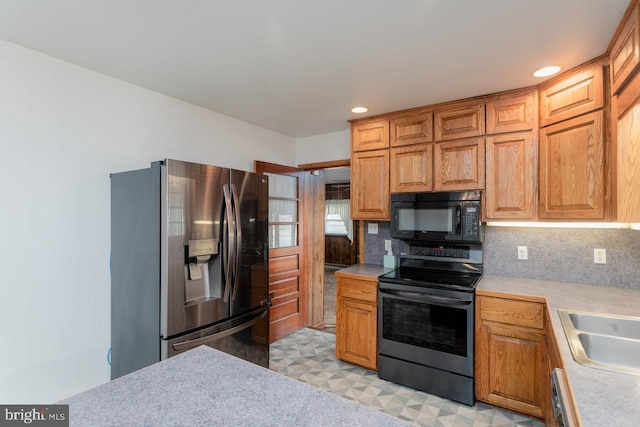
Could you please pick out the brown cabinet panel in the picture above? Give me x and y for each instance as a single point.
(572, 169)
(626, 124)
(412, 168)
(413, 129)
(510, 357)
(370, 135)
(510, 368)
(511, 176)
(574, 95)
(370, 185)
(513, 312)
(356, 322)
(459, 165)
(511, 114)
(459, 122)
(625, 52)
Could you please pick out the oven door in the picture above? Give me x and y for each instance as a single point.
(431, 327)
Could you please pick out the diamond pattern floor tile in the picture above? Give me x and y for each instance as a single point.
(309, 356)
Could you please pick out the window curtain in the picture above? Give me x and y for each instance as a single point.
(342, 208)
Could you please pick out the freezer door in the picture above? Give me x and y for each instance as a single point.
(242, 337)
(193, 257)
(250, 278)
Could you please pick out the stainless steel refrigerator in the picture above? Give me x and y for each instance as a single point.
(189, 263)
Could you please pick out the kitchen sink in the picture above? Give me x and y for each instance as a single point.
(603, 341)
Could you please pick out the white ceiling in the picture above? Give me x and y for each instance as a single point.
(298, 66)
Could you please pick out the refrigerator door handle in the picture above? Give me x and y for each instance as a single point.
(238, 241)
(230, 244)
(187, 345)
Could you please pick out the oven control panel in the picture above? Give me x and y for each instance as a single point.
(440, 251)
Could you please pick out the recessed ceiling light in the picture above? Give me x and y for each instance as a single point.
(546, 71)
(359, 110)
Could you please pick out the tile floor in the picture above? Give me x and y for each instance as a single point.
(309, 356)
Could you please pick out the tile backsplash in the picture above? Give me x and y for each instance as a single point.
(557, 254)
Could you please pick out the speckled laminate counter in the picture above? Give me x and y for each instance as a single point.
(604, 398)
(205, 387)
(371, 271)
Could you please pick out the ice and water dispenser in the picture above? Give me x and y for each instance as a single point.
(200, 258)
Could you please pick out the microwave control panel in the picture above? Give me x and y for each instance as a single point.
(470, 221)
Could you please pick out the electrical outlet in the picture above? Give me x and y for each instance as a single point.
(600, 256)
(373, 228)
(522, 253)
(387, 245)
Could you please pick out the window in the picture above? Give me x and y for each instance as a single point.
(337, 221)
(283, 211)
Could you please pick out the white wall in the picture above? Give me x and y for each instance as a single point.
(63, 130)
(323, 148)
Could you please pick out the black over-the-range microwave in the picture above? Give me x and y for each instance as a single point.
(447, 216)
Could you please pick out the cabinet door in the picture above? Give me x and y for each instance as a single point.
(510, 368)
(627, 127)
(414, 129)
(571, 96)
(572, 169)
(356, 333)
(511, 176)
(370, 135)
(370, 185)
(625, 52)
(459, 165)
(511, 114)
(459, 122)
(412, 168)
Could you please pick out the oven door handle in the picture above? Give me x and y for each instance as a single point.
(418, 297)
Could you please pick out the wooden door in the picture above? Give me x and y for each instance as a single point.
(370, 185)
(370, 135)
(509, 368)
(288, 284)
(412, 168)
(459, 165)
(413, 129)
(572, 169)
(459, 121)
(511, 176)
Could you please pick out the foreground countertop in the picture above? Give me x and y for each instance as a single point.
(602, 397)
(205, 387)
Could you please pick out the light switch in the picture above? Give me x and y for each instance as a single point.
(373, 228)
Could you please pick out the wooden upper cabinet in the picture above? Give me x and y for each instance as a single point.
(370, 185)
(460, 121)
(572, 169)
(625, 50)
(459, 165)
(626, 124)
(370, 135)
(511, 114)
(413, 129)
(412, 168)
(511, 161)
(572, 95)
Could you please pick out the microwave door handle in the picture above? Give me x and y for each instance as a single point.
(458, 220)
(187, 345)
(418, 297)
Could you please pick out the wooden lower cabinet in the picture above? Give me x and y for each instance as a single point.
(356, 321)
(510, 358)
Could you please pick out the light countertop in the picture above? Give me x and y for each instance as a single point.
(206, 387)
(603, 397)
